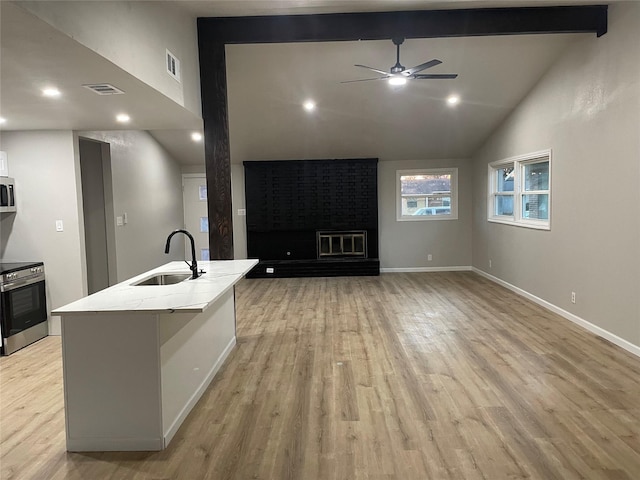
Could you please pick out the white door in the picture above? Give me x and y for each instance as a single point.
(196, 220)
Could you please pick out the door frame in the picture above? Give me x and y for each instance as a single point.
(203, 175)
(109, 211)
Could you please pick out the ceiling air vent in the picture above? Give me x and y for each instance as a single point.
(173, 66)
(104, 89)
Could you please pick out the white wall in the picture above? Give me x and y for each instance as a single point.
(134, 36)
(405, 245)
(587, 110)
(239, 222)
(186, 169)
(402, 245)
(47, 184)
(147, 185)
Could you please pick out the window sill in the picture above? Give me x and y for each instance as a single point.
(532, 225)
(422, 218)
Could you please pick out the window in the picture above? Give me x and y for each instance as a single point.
(427, 194)
(520, 191)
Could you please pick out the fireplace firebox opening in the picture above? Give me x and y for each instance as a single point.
(351, 243)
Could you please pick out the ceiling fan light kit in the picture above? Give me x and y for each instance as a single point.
(398, 74)
(396, 80)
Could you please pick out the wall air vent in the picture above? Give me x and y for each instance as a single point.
(104, 89)
(173, 66)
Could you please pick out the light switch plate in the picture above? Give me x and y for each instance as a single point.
(59, 226)
(119, 221)
(4, 165)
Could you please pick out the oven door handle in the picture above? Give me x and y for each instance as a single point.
(22, 282)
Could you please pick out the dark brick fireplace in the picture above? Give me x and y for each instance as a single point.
(312, 217)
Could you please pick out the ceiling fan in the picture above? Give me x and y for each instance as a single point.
(398, 75)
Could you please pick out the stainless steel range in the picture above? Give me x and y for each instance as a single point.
(23, 305)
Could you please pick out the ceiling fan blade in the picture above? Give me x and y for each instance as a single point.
(381, 72)
(433, 76)
(366, 79)
(422, 66)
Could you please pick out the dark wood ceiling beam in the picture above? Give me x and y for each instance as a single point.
(413, 24)
(215, 33)
(213, 77)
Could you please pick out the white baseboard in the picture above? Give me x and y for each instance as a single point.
(456, 268)
(601, 332)
(173, 429)
(98, 444)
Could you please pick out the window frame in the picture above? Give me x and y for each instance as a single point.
(519, 163)
(453, 203)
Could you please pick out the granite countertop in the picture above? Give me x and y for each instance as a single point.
(189, 296)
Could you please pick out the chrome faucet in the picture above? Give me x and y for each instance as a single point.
(194, 264)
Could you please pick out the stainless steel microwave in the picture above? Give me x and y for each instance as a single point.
(7, 195)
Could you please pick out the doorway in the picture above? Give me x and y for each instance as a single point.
(97, 205)
(196, 217)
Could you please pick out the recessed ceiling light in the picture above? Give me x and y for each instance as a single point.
(123, 118)
(453, 100)
(397, 80)
(51, 92)
(309, 105)
(196, 136)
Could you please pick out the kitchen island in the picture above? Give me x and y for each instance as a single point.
(137, 358)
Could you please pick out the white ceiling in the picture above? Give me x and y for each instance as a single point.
(267, 85)
(33, 53)
(268, 82)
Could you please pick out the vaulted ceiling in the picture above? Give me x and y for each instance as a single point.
(268, 83)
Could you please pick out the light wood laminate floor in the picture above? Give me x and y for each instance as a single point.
(402, 376)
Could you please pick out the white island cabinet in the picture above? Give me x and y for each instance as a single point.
(136, 358)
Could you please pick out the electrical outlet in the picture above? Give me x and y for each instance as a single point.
(573, 297)
(429, 257)
(271, 270)
(119, 221)
(242, 212)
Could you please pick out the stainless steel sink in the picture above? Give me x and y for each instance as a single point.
(164, 279)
